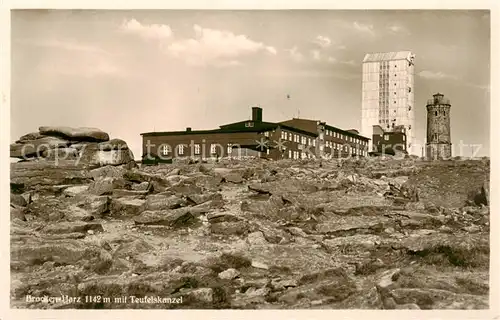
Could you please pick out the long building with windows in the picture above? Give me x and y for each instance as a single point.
(291, 139)
(388, 96)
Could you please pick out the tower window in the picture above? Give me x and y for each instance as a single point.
(444, 112)
(409, 108)
(436, 113)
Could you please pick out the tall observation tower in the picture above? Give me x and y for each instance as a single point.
(388, 94)
(438, 144)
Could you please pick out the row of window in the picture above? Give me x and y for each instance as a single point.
(385, 85)
(386, 137)
(298, 138)
(336, 146)
(311, 141)
(304, 155)
(167, 150)
(343, 137)
(385, 65)
(443, 112)
(297, 154)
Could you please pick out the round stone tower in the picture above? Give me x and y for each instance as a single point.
(438, 128)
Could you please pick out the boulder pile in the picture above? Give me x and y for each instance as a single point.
(85, 146)
(252, 234)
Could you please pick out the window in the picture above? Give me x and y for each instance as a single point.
(409, 89)
(290, 136)
(165, 150)
(404, 138)
(249, 124)
(289, 154)
(213, 149)
(267, 151)
(309, 141)
(304, 140)
(444, 113)
(409, 127)
(196, 149)
(181, 149)
(229, 149)
(436, 113)
(283, 135)
(409, 108)
(266, 133)
(314, 142)
(303, 155)
(386, 137)
(321, 136)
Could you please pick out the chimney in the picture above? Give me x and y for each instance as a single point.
(257, 114)
(188, 129)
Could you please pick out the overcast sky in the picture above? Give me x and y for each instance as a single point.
(128, 72)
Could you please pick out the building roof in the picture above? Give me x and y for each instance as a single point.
(387, 56)
(233, 128)
(329, 127)
(213, 131)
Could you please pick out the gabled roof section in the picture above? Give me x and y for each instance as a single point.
(388, 56)
(256, 124)
(214, 131)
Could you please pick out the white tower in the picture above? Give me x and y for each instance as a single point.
(388, 97)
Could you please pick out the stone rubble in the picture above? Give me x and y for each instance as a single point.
(378, 233)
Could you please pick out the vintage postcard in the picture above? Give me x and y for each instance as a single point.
(219, 158)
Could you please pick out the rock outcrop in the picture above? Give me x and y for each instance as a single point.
(84, 146)
(252, 234)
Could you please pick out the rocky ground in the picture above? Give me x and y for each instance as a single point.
(253, 234)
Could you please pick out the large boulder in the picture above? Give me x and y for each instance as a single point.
(79, 134)
(175, 218)
(43, 172)
(127, 207)
(92, 154)
(34, 148)
(113, 144)
(66, 153)
(30, 136)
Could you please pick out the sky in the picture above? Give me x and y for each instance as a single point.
(135, 71)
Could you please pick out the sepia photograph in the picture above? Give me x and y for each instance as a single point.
(321, 159)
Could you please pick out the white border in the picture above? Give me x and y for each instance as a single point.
(7, 313)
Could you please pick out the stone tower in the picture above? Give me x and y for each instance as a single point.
(438, 128)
